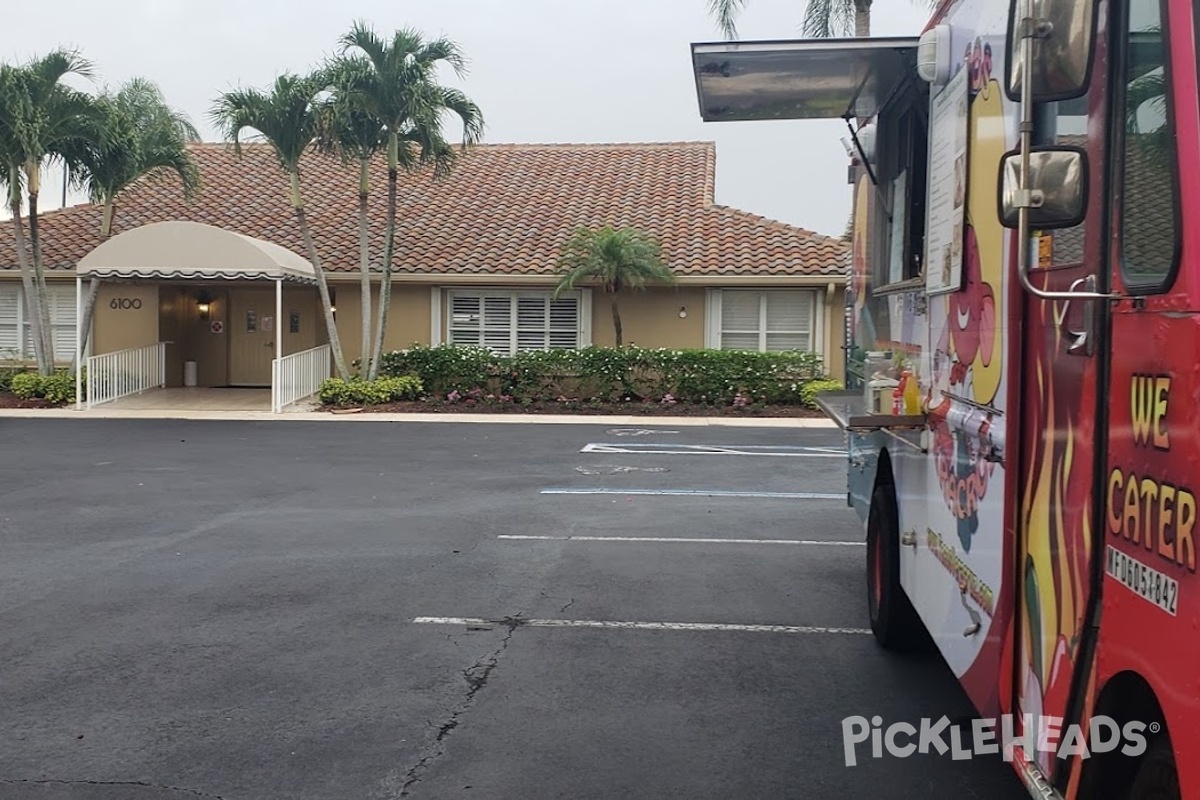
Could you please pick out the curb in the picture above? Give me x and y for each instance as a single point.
(494, 419)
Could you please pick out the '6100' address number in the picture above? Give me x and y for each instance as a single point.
(125, 302)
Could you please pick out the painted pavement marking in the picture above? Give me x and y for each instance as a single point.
(704, 493)
(776, 451)
(679, 540)
(653, 626)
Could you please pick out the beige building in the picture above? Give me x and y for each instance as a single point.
(225, 283)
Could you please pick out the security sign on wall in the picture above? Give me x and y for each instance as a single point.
(217, 326)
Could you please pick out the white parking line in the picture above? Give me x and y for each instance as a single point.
(715, 450)
(706, 493)
(653, 626)
(673, 539)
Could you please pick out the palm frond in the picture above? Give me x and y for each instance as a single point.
(615, 258)
(286, 117)
(726, 12)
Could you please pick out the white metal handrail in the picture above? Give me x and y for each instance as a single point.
(111, 376)
(299, 375)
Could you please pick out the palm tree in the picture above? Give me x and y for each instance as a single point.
(356, 136)
(617, 259)
(287, 118)
(41, 120)
(401, 93)
(823, 19)
(142, 138)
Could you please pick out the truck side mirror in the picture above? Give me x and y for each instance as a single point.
(1058, 188)
(1063, 34)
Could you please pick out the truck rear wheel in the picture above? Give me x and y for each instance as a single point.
(1157, 778)
(894, 621)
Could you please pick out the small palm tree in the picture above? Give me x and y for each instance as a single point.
(617, 259)
(399, 91)
(287, 118)
(41, 120)
(141, 137)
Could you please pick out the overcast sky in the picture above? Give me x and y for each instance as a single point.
(540, 70)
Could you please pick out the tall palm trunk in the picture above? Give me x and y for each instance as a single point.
(27, 281)
(616, 315)
(364, 263)
(862, 18)
(389, 247)
(106, 221)
(335, 342)
(85, 325)
(89, 303)
(41, 298)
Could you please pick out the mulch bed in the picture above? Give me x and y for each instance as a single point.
(623, 409)
(10, 400)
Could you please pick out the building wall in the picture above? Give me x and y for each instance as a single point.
(835, 333)
(409, 317)
(169, 313)
(651, 318)
(126, 315)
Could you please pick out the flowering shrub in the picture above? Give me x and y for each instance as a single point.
(609, 374)
(58, 388)
(359, 392)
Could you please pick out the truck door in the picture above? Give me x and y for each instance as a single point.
(1148, 544)
(1060, 398)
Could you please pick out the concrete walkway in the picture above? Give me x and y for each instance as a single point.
(639, 422)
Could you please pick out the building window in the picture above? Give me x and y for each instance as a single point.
(509, 321)
(16, 332)
(766, 321)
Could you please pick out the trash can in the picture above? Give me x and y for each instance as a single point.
(189, 373)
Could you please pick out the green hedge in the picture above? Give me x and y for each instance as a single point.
(58, 388)
(359, 392)
(606, 374)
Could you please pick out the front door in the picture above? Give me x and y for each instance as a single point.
(1060, 400)
(252, 331)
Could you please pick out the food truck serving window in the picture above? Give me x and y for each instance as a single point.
(902, 179)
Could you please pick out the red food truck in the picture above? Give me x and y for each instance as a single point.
(1023, 172)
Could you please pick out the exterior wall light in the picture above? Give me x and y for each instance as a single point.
(683, 312)
(933, 55)
(204, 305)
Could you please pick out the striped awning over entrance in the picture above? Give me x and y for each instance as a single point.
(192, 251)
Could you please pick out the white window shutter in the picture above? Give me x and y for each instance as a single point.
(509, 321)
(498, 323)
(532, 323)
(789, 320)
(564, 323)
(770, 320)
(740, 320)
(61, 299)
(466, 319)
(10, 318)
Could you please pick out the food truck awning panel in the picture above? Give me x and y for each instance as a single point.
(810, 79)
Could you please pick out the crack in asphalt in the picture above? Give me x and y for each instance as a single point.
(143, 784)
(476, 677)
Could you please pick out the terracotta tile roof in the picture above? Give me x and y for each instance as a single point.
(506, 209)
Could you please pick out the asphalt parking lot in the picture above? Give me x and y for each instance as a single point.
(245, 610)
